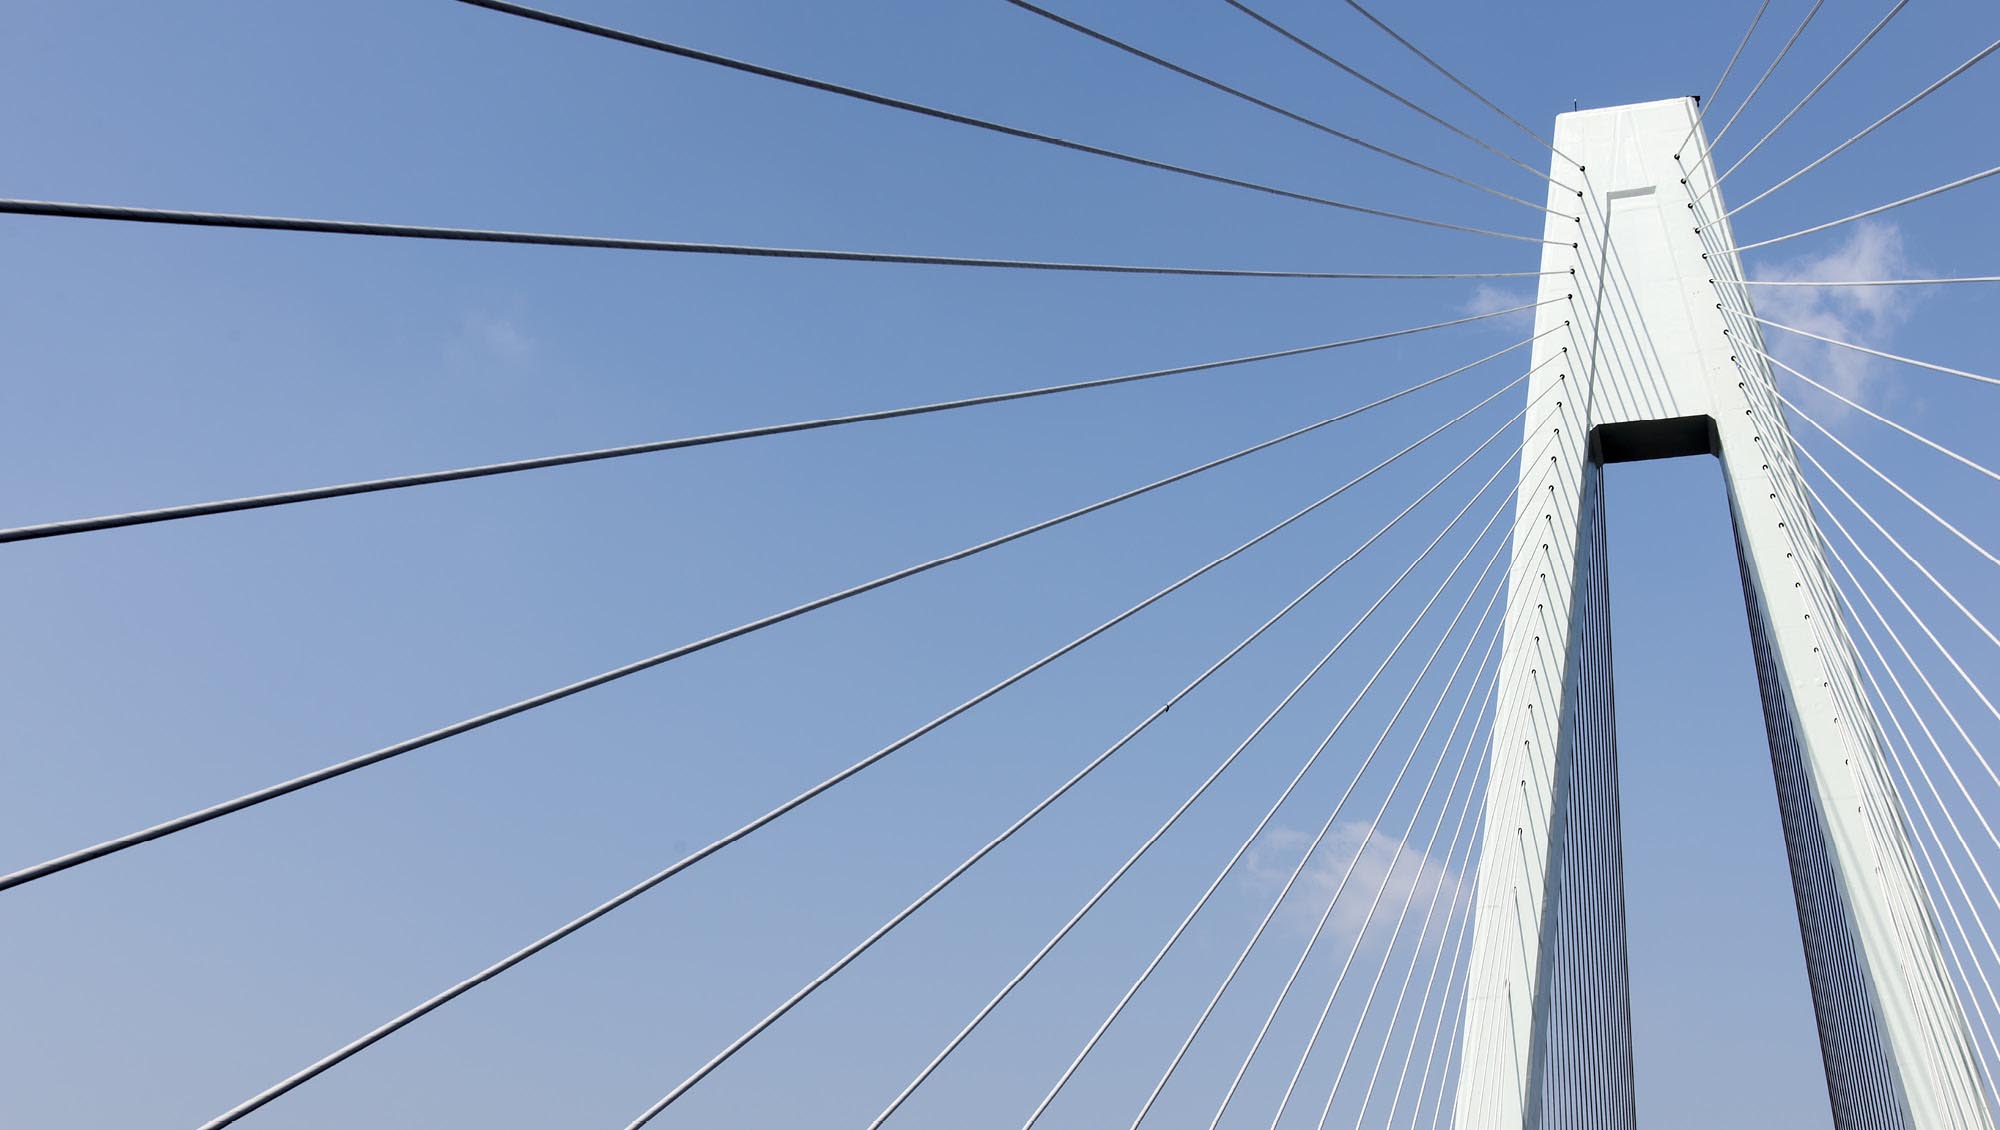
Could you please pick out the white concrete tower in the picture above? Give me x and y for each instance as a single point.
(1652, 371)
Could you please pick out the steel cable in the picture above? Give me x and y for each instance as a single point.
(460, 988)
(633, 39)
(426, 478)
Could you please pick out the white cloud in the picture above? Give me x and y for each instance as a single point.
(1488, 297)
(1866, 315)
(486, 340)
(1416, 876)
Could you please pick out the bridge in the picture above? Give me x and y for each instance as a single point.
(1341, 845)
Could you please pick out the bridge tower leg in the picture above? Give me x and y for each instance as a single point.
(1652, 371)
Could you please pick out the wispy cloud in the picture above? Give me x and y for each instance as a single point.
(1867, 315)
(1489, 297)
(1415, 876)
(486, 340)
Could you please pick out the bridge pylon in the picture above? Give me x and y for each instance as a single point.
(1656, 368)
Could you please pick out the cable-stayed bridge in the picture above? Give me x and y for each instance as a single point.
(1420, 919)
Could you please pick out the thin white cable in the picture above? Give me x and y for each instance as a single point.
(1423, 1007)
(1389, 949)
(1833, 599)
(1444, 1076)
(1701, 112)
(1868, 282)
(918, 903)
(1865, 349)
(1914, 922)
(1810, 95)
(1423, 854)
(1885, 824)
(1961, 535)
(1462, 908)
(1897, 639)
(1762, 79)
(1159, 957)
(1878, 417)
(1960, 948)
(1361, 850)
(1878, 123)
(1243, 955)
(1875, 211)
(995, 1001)
(1340, 887)
(1921, 623)
(1909, 755)
(1915, 800)
(1462, 886)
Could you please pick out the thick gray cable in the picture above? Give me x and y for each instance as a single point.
(1243, 955)
(178, 217)
(426, 478)
(1357, 75)
(918, 903)
(459, 989)
(1333, 900)
(1029, 967)
(1701, 110)
(1875, 211)
(1263, 104)
(1762, 79)
(1912, 499)
(1423, 855)
(1865, 349)
(633, 39)
(1810, 95)
(1459, 82)
(1878, 123)
(1867, 282)
(1880, 418)
(283, 788)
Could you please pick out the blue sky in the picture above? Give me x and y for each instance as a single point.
(153, 670)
